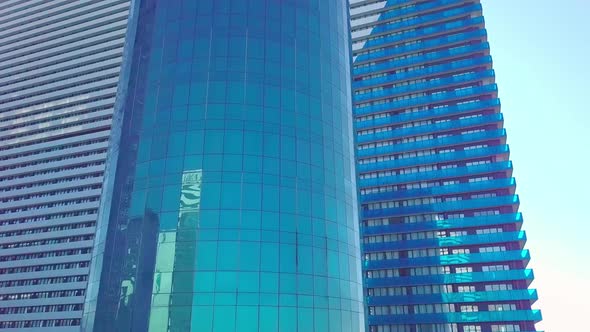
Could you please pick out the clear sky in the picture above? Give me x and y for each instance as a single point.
(541, 52)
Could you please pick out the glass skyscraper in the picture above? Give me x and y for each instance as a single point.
(230, 201)
(441, 232)
(59, 68)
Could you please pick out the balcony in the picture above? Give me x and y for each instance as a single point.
(451, 241)
(432, 128)
(426, 32)
(465, 187)
(447, 260)
(435, 158)
(459, 317)
(459, 278)
(469, 204)
(500, 219)
(499, 134)
(428, 99)
(418, 8)
(427, 114)
(467, 298)
(428, 71)
(421, 19)
(430, 84)
(502, 166)
(421, 45)
(428, 57)
(413, 9)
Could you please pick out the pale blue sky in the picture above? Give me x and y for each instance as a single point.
(541, 52)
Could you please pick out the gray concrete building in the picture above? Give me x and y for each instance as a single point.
(59, 67)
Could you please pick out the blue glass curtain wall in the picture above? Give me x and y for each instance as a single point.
(230, 200)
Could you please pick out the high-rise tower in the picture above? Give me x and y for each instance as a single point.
(59, 67)
(230, 202)
(442, 239)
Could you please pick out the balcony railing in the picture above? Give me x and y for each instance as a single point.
(421, 19)
(467, 297)
(428, 71)
(475, 203)
(478, 221)
(421, 45)
(433, 143)
(459, 317)
(450, 241)
(433, 159)
(428, 57)
(447, 260)
(428, 99)
(440, 190)
(431, 128)
(437, 174)
(428, 85)
(455, 278)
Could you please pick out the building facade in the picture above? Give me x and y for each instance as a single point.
(441, 232)
(59, 66)
(230, 200)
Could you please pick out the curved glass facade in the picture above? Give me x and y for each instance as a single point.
(230, 200)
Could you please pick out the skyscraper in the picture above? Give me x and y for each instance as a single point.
(230, 201)
(442, 239)
(59, 67)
